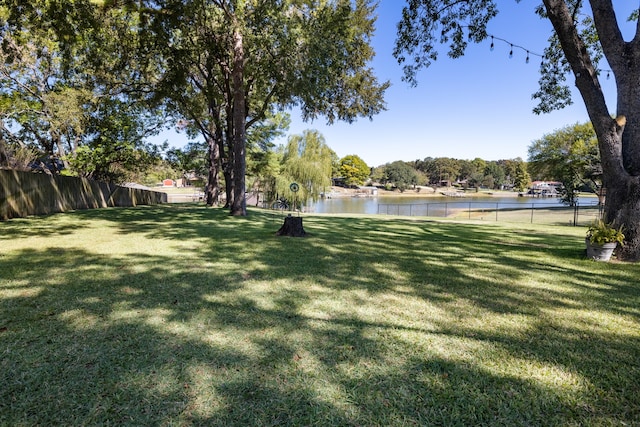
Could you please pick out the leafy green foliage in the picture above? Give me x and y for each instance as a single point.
(400, 174)
(263, 161)
(113, 163)
(569, 155)
(494, 175)
(427, 23)
(233, 64)
(69, 87)
(521, 179)
(554, 93)
(190, 158)
(17, 156)
(601, 232)
(307, 161)
(354, 170)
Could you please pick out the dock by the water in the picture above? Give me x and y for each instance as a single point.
(453, 193)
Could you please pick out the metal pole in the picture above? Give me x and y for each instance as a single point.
(497, 207)
(531, 213)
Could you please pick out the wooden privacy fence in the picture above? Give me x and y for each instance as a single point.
(25, 193)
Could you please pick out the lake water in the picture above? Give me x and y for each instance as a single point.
(432, 206)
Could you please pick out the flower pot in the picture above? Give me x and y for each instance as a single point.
(600, 252)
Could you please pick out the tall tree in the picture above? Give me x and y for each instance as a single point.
(245, 59)
(400, 174)
(67, 87)
(569, 155)
(306, 161)
(494, 175)
(446, 169)
(354, 170)
(584, 32)
(521, 177)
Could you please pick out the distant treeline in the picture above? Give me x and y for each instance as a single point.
(446, 171)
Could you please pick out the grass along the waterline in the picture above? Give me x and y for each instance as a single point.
(182, 315)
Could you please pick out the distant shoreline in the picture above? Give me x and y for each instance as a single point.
(422, 193)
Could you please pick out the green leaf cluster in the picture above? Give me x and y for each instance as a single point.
(70, 83)
(601, 232)
(306, 160)
(569, 155)
(427, 23)
(353, 170)
(400, 174)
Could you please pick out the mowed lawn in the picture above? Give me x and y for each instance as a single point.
(182, 315)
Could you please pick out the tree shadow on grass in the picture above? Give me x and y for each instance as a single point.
(363, 323)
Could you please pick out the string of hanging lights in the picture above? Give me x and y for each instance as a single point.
(528, 52)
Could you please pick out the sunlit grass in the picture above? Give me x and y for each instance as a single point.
(561, 215)
(180, 315)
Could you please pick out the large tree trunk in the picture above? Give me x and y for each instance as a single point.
(227, 167)
(4, 157)
(622, 189)
(619, 138)
(239, 204)
(622, 207)
(227, 170)
(213, 184)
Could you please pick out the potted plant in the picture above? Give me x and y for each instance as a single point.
(602, 238)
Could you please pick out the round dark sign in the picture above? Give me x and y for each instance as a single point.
(294, 187)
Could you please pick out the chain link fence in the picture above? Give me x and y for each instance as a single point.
(539, 213)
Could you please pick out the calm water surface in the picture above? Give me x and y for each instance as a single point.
(431, 206)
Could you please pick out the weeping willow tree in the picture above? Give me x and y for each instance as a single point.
(306, 161)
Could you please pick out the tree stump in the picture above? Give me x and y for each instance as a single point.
(292, 227)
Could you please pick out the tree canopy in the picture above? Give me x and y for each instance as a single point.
(307, 162)
(265, 56)
(67, 89)
(400, 174)
(353, 170)
(569, 155)
(86, 81)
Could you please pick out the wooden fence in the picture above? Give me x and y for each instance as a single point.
(25, 193)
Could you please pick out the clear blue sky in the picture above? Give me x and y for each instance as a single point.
(479, 105)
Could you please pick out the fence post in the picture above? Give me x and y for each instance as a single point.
(446, 209)
(532, 204)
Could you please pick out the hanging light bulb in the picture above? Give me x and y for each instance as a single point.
(527, 60)
(608, 75)
(511, 52)
(492, 46)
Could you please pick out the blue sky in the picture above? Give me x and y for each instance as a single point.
(479, 105)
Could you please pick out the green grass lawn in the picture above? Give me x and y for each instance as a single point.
(182, 315)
